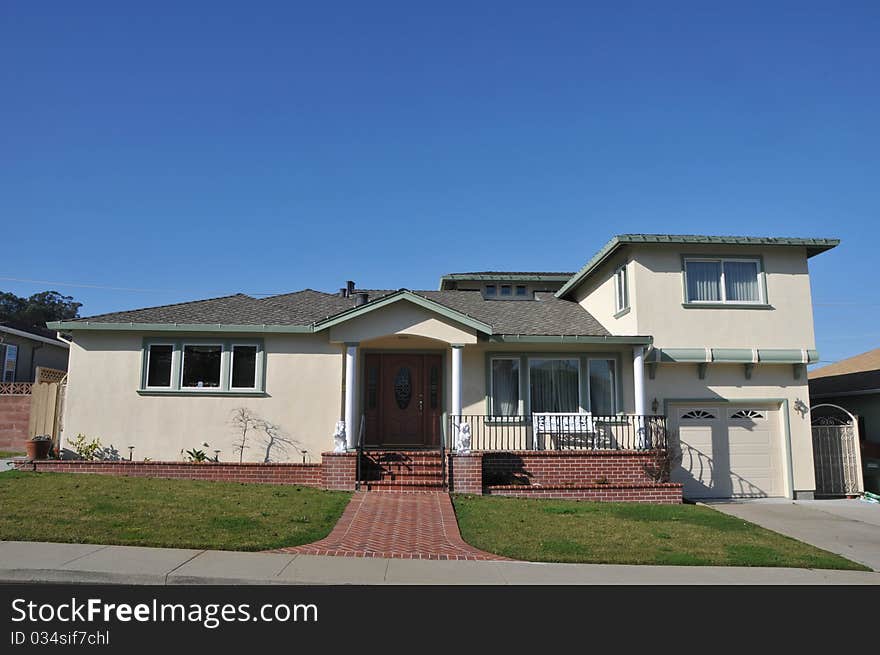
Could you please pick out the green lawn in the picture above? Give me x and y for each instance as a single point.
(6, 454)
(77, 508)
(629, 533)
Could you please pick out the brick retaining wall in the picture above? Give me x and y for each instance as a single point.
(15, 413)
(307, 475)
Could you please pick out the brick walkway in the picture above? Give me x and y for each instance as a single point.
(418, 525)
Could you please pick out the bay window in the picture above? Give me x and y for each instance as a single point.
(723, 280)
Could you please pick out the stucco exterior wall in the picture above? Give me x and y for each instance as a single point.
(598, 296)
(303, 397)
(402, 317)
(788, 323)
(728, 382)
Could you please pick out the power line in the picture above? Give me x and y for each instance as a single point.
(135, 289)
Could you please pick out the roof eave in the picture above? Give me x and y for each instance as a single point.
(74, 326)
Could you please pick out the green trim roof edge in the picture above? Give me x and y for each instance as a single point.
(813, 246)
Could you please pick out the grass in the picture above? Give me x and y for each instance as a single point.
(76, 508)
(629, 533)
(6, 454)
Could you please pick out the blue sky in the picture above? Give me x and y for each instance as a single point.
(209, 148)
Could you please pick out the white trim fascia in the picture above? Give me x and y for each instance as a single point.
(35, 337)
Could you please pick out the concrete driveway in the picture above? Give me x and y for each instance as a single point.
(847, 527)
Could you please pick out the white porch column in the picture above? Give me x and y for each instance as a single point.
(639, 389)
(456, 379)
(639, 378)
(351, 425)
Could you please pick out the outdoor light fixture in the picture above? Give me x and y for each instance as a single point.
(655, 405)
(130, 452)
(216, 454)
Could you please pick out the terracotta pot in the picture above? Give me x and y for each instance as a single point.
(38, 449)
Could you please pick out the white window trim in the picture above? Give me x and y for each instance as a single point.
(149, 348)
(615, 401)
(621, 304)
(223, 366)
(541, 358)
(520, 403)
(723, 286)
(257, 364)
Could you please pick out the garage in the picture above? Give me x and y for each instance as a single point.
(728, 450)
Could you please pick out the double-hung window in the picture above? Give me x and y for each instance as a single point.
(621, 290)
(723, 280)
(201, 366)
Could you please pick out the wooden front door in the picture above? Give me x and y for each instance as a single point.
(403, 401)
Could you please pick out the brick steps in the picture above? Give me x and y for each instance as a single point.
(402, 470)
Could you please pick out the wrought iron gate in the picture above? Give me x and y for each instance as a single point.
(836, 455)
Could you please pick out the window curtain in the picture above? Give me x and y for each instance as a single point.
(741, 281)
(704, 281)
(554, 385)
(602, 390)
(505, 387)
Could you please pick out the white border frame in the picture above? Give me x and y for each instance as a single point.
(257, 365)
(146, 380)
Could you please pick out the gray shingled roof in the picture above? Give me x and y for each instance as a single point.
(546, 315)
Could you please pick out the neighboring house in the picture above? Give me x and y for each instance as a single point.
(853, 384)
(715, 333)
(24, 348)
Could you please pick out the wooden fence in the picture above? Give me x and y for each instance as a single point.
(47, 402)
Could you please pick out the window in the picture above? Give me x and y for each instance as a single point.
(621, 290)
(159, 356)
(244, 367)
(201, 366)
(505, 289)
(520, 289)
(504, 392)
(602, 387)
(554, 385)
(723, 281)
(195, 366)
(491, 290)
(697, 414)
(9, 355)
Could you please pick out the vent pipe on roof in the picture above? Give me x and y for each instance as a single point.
(349, 286)
(343, 292)
(361, 298)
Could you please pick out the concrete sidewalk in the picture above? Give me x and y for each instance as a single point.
(82, 563)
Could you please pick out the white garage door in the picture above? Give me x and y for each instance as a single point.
(728, 450)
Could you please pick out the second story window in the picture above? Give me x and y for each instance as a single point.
(491, 290)
(505, 290)
(621, 289)
(723, 280)
(520, 290)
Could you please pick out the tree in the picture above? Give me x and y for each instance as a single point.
(38, 309)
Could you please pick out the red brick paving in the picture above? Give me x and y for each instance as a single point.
(416, 525)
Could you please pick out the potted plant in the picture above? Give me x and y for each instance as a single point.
(39, 446)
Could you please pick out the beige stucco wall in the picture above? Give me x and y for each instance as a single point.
(727, 381)
(303, 386)
(402, 317)
(659, 284)
(598, 296)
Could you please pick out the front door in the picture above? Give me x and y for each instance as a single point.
(403, 399)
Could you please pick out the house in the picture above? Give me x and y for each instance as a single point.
(24, 349)
(854, 385)
(698, 341)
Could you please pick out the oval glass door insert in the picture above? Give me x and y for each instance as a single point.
(403, 387)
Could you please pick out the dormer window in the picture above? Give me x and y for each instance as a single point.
(505, 290)
(521, 290)
(723, 280)
(491, 290)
